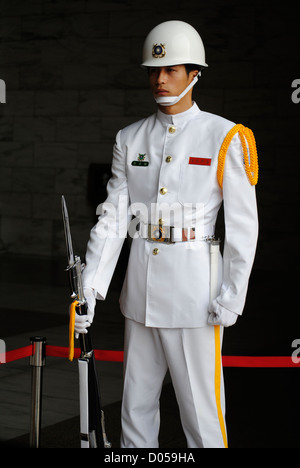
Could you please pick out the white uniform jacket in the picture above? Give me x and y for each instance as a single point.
(165, 167)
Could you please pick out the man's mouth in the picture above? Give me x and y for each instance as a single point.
(161, 92)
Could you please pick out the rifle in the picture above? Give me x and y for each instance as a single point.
(92, 425)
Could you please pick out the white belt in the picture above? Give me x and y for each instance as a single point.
(171, 234)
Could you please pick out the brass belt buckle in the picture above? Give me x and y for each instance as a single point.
(159, 233)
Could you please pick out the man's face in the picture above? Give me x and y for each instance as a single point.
(169, 81)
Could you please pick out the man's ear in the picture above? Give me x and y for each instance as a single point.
(193, 74)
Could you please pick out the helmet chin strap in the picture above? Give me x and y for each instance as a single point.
(172, 100)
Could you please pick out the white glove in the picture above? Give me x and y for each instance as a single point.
(221, 316)
(82, 322)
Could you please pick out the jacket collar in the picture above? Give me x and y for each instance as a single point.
(179, 119)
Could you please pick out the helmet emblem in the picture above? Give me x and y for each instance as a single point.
(159, 50)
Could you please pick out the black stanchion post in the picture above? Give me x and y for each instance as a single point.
(37, 362)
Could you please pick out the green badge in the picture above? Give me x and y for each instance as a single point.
(140, 161)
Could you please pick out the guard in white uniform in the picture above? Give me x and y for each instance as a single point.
(170, 174)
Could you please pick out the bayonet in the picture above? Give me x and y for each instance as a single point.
(75, 267)
(67, 232)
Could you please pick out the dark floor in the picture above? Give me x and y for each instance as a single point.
(262, 412)
(262, 404)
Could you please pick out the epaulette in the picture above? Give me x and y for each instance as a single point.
(249, 151)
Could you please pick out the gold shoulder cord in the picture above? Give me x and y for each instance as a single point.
(246, 136)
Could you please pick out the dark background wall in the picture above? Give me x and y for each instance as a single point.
(73, 80)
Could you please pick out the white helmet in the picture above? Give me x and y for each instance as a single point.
(173, 43)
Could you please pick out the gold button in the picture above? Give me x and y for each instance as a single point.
(172, 129)
(163, 190)
(155, 252)
(169, 159)
(161, 221)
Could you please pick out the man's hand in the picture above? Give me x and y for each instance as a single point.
(83, 322)
(221, 316)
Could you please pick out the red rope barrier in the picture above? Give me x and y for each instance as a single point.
(62, 352)
(20, 353)
(112, 356)
(100, 355)
(118, 356)
(259, 361)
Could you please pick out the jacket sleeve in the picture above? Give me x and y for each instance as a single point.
(241, 227)
(108, 235)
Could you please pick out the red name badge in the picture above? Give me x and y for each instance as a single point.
(200, 161)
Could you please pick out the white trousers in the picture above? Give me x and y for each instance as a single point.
(193, 357)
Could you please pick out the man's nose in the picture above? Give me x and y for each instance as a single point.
(161, 76)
